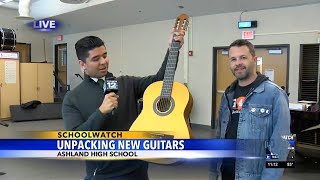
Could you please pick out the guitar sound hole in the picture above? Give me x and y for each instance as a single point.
(163, 104)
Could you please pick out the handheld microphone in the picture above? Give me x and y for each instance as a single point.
(111, 85)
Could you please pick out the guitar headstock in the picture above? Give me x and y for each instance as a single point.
(182, 22)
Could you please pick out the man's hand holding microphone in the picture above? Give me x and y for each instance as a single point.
(110, 101)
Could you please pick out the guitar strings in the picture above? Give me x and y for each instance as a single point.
(162, 97)
(165, 98)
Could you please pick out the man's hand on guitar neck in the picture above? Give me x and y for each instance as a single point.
(177, 36)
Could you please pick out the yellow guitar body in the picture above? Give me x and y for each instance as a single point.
(175, 121)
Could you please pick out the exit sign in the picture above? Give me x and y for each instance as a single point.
(59, 38)
(247, 34)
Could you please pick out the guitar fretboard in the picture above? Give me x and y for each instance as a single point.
(170, 70)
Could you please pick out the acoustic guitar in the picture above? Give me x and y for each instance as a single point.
(167, 104)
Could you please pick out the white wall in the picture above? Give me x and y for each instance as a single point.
(27, 35)
(221, 30)
(134, 50)
(139, 49)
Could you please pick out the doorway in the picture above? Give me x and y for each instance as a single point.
(60, 70)
(273, 61)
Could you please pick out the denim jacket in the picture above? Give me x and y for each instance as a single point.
(265, 117)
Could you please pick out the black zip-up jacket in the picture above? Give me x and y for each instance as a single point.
(80, 111)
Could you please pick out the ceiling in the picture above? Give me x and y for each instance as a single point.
(99, 14)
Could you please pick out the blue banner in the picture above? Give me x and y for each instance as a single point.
(121, 144)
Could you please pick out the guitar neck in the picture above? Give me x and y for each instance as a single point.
(170, 69)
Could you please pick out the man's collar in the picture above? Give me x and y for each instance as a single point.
(86, 77)
(96, 79)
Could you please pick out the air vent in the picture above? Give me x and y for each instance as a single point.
(74, 1)
(308, 137)
(309, 72)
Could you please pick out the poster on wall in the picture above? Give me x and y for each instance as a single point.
(10, 72)
(269, 73)
(259, 61)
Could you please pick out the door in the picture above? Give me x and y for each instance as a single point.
(45, 79)
(29, 82)
(224, 75)
(1, 85)
(9, 86)
(272, 61)
(60, 68)
(36, 82)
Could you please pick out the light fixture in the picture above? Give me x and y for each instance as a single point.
(75, 1)
(24, 10)
(6, 1)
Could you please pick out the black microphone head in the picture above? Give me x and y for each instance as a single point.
(109, 75)
(111, 85)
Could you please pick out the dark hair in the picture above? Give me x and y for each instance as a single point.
(86, 44)
(242, 42)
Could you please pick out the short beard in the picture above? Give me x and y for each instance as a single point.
(246, 74)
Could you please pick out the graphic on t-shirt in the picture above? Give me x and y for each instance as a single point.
(237, 104)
